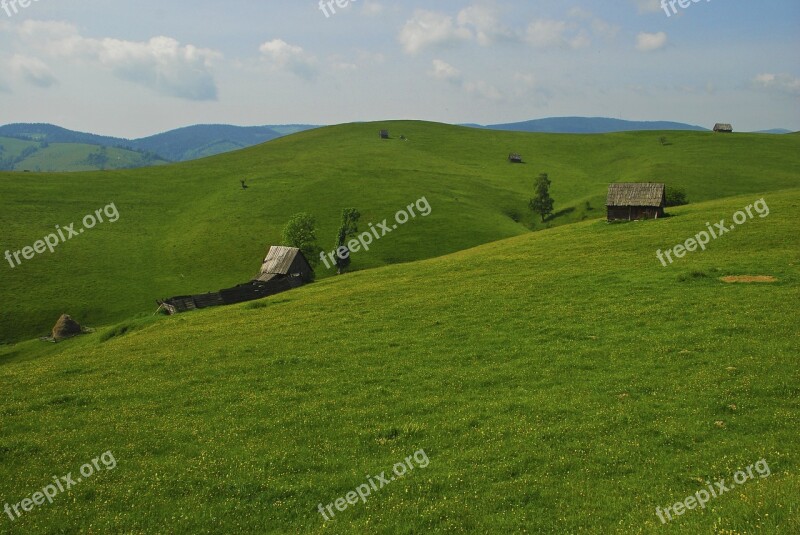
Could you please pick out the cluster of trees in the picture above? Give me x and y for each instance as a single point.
(301, 232)
(10, 162)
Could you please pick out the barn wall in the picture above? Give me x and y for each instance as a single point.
(631, 213)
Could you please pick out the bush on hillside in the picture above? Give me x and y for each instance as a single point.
(676, 196)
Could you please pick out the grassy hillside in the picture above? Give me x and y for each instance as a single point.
(561, 381)
(190, 228)
(22, 155)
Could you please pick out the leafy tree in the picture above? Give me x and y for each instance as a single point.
(542, 203)
(301, 232)
(348, 229)
(676, 196)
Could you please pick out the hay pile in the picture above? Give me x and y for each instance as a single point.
(66, 327)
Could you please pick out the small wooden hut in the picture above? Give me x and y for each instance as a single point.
(638, 200)
(724, 128)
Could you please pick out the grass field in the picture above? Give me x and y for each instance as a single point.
(190, 228)
(561, 381)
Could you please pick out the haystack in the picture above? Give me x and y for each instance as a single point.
(66, 327)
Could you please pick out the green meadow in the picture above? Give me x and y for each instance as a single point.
(559, 381)
(190, 228)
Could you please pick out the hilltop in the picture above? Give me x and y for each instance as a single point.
(189, 228)
(80, 151)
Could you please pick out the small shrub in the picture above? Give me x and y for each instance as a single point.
(676, 196)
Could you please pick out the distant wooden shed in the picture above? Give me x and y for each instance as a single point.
(515, 158)
(636, 200)
(723, 127)
(384, 134)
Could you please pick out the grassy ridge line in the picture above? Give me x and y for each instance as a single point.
(189, 228)
(499, 361)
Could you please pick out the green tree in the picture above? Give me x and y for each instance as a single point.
(542, 203)
(348, 229)
(301, 232)
(676, 196)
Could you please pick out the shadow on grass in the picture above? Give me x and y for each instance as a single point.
(560, 213)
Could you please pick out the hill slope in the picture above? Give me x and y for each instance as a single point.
(190, 228)
(558, 382)
(21, 155)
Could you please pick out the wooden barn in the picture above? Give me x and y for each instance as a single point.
(723, 127)
(639, 200)
(285, 262)
(515, 158)
(384, 134)
(283, 269)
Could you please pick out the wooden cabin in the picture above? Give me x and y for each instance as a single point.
(723, 127)
(638, 200)
(284, 268)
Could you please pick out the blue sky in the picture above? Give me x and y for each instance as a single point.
(136, 68)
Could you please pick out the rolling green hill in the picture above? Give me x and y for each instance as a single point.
(22, 155)
(561, 381)
(190, 228)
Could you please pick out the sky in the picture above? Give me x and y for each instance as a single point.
(132, 69)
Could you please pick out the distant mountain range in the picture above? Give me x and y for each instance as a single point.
(590, 125)
(178, 145)
(46, 147)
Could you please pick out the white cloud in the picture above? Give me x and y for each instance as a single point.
(647, 42)
(784, 83)
(33, 70)
(545, 33)
(427, 28)
(445, 71)
(372, 8)
(161, 64)
(484, 21)
(289, 57)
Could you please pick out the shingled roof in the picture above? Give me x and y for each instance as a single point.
(283, 261)
(636, 194)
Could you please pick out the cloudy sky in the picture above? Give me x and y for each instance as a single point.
(132, 69)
